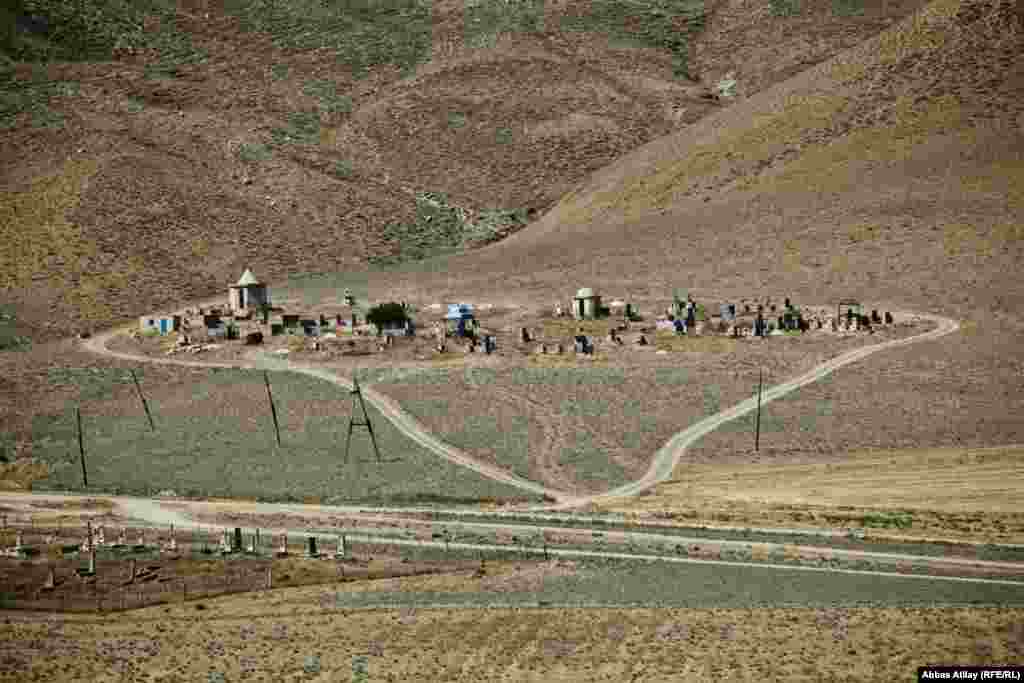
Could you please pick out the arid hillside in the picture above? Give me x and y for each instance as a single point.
(150, 154)
(892, 173)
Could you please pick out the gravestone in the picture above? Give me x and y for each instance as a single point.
(340, 547)
(51, 580)
(282, 549)
(131, 570)
(92, 562)
(525, 335)
(888, 318)
(225, 542)
(560, 349)
(237, 546)
(311, 547)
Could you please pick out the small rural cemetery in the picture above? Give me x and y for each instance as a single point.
(582, 325)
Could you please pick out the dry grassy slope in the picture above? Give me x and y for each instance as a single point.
(140, 201)
(744, 38)
(893, 173)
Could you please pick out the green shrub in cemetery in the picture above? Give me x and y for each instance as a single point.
(503, 136)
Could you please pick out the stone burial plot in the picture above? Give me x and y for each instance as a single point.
(215, 437)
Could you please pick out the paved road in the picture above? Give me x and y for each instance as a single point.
(149, 513)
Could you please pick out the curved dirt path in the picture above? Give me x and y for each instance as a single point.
(665, 459)
(403, 421)
(668, 456)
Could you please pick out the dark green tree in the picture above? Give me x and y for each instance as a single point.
(387, 314)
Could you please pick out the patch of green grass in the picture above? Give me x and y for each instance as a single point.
(10, 340)
(303, 128)
(440, 228)
(216, 451)
(32, 97)
(485, 20)
(647, 23)
(503, 136)
(848, 8)
(509, 446)
(279, 72)
(592, 464)
(134, 105)
(456, 120)
(331, 101)
(253, 152)
(343, 169)
(888, 520)
(362, 33)
(784, 8)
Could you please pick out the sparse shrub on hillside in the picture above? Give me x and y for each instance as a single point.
(253, 152)
(456, 120)
(360, 34)
(784, 8)
(442, 228)
(343, 169)
(331, 101)
(848, 8)
(657, 22)
(303, 128)
(504, 136)
(485, 20)
(32, 97)
(279, 72)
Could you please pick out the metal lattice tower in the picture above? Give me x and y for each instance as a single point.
(365, 422)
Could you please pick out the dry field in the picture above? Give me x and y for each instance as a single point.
(965, 494)
(587, 424)
(282, 634)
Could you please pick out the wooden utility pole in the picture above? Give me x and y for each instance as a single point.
(757, 422)
(142, 398)
(81, 446)
(273, 409)
(365, 422)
